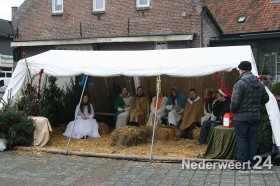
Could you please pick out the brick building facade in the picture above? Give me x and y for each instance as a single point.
(121, 26)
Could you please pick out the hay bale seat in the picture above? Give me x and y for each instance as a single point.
(103, 129)
(129, 136)
(164, 133)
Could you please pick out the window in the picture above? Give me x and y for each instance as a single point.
(142, 3)
(98, 5)
(270, 67)
(74, 47)
(277, 65)
(6, 69)
(6, 72)
(57, 6)
(160, 45)
(241, 19)
(275, 1)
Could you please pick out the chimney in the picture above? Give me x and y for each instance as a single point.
(14, 10)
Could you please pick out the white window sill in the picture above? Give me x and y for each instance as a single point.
(96, 12)
(57, 13)
(143, 8)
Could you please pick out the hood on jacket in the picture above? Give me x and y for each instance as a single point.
(250, 79)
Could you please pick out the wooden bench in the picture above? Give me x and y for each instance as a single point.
(104, 113)
(104, 117)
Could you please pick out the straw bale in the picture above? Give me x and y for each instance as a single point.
(163, 148)
(196, 133)
(103, 129)
(164, 133)
(129, 136)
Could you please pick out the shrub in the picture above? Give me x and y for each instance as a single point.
(264, 133)
(16, 127)
(71, 99)
(28, 101)
(51, 103)
(276, 89)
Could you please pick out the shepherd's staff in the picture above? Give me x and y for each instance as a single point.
(158, 90)
(76, 114)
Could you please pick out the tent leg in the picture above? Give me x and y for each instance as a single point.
(76, 113)
(158, 88)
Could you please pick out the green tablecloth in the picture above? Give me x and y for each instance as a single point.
(222, 144)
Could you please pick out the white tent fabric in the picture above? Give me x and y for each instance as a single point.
(172, 62)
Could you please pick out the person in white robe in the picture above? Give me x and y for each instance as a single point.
(161, 111)
(175, 106)
(84, 126)
(122, 108)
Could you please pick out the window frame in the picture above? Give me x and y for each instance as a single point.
(94, 9)
(142, 6)
(54, 11)
(161, 43)
(75, 47)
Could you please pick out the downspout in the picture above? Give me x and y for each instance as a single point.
(201, 29)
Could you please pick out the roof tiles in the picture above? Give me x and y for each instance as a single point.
(261, 15)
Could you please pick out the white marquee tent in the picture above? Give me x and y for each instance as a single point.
(173, 62)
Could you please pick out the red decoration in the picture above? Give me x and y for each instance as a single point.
(39, 84)
(222, 86)
(260, 77)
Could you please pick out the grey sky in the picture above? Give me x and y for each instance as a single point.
(6, 10)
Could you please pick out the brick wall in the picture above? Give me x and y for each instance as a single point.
(209, 31)
(35, 21)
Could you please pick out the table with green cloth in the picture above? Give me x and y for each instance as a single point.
(222, 144)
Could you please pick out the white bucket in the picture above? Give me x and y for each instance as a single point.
(3, 144)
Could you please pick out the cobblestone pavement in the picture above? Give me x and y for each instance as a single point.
(51, 169)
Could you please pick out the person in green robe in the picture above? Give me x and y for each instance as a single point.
(122, 108)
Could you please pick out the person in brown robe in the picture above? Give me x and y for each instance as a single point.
(140, 108)
(192, 114)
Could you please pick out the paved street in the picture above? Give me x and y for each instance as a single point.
(52, 169)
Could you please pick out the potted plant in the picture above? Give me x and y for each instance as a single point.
(275, 89)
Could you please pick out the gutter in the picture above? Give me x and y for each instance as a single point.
(246, 36)
(76, 41)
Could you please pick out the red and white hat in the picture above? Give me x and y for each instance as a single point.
(222, 93)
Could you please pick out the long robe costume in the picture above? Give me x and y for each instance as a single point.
(140, 110)
(161, 111)
(193, 112)
(122, 108)
(175, 109)
(83, 127)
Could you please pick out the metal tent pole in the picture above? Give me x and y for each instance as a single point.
(76, 113)
(158, 90)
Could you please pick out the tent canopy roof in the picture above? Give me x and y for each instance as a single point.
(172, 62)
